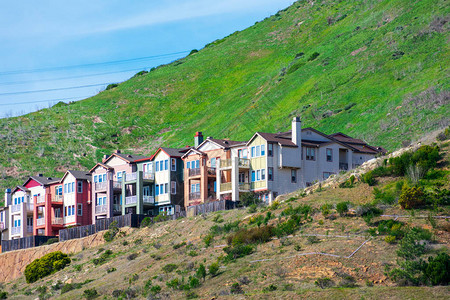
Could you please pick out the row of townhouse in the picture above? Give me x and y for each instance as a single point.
(171, 179)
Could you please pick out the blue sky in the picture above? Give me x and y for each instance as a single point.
(38, 35)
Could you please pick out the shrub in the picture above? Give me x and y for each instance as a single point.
(162, 217)
(348, 183)
(326, 209)
(179, 245)
(369, 178)
(103, 258)
(251, 236)
(90, 293)
(193, 51)
(247, 199)
(51, 241)
(252, 208)
(445, 135)
(146, 222)
(411, 197)
(217, 219)
(77, 267)
(275, 204)
(295, 66)
(194, 282)
(132, 256)
(347, 281)
(112, 232)
(192, 253)
(238, 251)
(313, 56)
(3, 295)
(390, 239)
(46, 265)
(236, 288)
(208, 240)
(110, 270)
(312, 239)
(342, 208)
(169, 268)
(155, 289)
(437, 271)
(385, 197)
(201, 272)
(324, 282)
(213, 269)
(270, 288)
(111, 86)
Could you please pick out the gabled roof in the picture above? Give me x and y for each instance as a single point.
(193, 150)
(43, 180)
(224, 143)
(174, 152)
(279, 138)
(129, 158)
(101, 165)
(345, 138)
(20, 187)
(80, 175)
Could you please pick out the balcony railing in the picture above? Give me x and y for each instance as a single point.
(39, 199)
(194, 172)
(100, 209)
(131, 176)
(227, 186)
(258, 184)
(149, 176)
(40, 222)
(29, 229)
(244, 186)
(149, 199)
(117, 185)
(343, 166)
(244, 163)
(30, 206)
(99, 186)
(57, 198)
(57, 221)
(117, 207)
(16, 230)
(16, 208)
(131, 200)
(211, 171)
(194, 196)
(225, 163)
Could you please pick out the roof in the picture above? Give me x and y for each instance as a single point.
(345, 138)
(226, 143)
(102, 165)
(20, 187)
(131, 158)
(174, 152)
(81, 175)
(280, 138)
(44, 180)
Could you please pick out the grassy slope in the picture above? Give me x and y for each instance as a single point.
(293, 275)
(238, 85)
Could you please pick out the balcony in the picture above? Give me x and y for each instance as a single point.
(16, 208)
(100, 209)
(149, 176)
(57, 221)
(40, 222)
(211, 171)
(16, 230)
(117, 185)
(39, 199)
(343, 166)
(244, 186)
(194, 196)
(131, 200)
(225, 163)
(244, 163)
(131, 176)
(29, 229)
(58, 198)
(227, 186)
(100, 186)
(149, 199)
(117, 208)
(194, 172)
(258, 184)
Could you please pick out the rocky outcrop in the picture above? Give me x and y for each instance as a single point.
(13, 264)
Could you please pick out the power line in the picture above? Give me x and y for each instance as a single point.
(55, 89)
(92, 64)
(71, 77)
(49, 100)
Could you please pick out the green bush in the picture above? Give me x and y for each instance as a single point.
(348, 183)
(226, 228)
(3, 295)
(146, 222)
(155, 289)
(111, 86)
(324, 282)
(112, 232)
(51, 241)
(251, 236)
(411, 197)
(390, 239)
(213, 269)
(247, 199)
(326, 209)
(90, 294)
(313, 56)
(103, 258)
(342, 208)
(46, 265)
(179, 245)
(162, 217)
(201, 272)
(169, 268)
(236, 288)
(437, 271)
(385, 197)
(369, 178)
(270, 288)
(295, 66)
(238, 251)
(208, 240)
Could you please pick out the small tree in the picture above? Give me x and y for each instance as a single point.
(342, 208)
(201, 272)
(213, 269)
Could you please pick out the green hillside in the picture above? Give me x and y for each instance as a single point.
(377, 70)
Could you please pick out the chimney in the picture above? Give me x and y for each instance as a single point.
(117, 151)
(297, 131)
(39, 175)
(105, 157)
(198, 138)
(7, 197)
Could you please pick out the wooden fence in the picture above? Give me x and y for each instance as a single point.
(26, 242)
(209, 207)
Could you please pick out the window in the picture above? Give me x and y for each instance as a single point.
(80, 209)
(188, 165)
(197, 164)
(161, 189)
(65, 210)
(270, 174)
(79, 186)
(173, 187)
(157, 190)
(263, 150)
(173, 164)
(258, 151)
(258, 175)
(104, 177)
(253, 175)
(166, 188)
(269, 149)
(310, 153)
(119, 177)
(327, 174)
(293, 176)
(215, 186)
(213, 162)
(329, 154)
(263, 174)
(241, 177)
(253, 151)
(157, 166)
(65, 188)
(166, 164)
